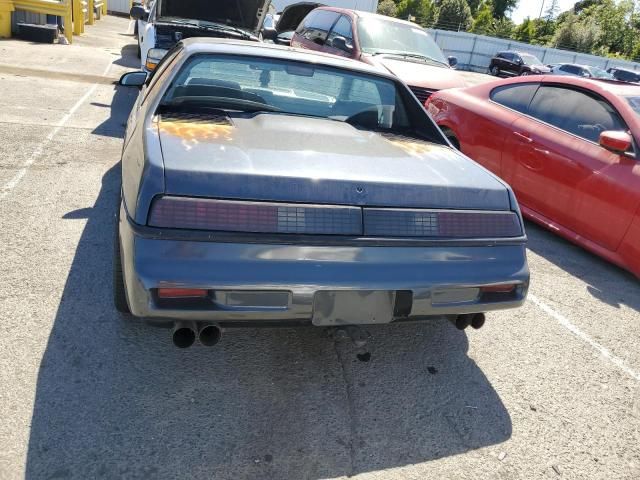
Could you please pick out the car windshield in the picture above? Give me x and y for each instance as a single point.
(530, 59)
(257, 84)
(635, 104)
(600, 73)
(378, 35)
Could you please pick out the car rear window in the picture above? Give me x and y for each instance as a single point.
(626, 76)
(257, 83)
(517, 97)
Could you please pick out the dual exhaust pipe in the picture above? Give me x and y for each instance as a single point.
(184, 334)
(475, 320)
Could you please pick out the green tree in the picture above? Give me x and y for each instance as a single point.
(475, 5)
(388, 8)
(526, 31)
(503, 7)
(423, 11)
(546, 26)
(454, 15)
(483, 24)
(503, 28)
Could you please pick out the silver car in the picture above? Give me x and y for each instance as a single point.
(263, 185)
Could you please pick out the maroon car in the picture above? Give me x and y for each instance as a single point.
(402, 48)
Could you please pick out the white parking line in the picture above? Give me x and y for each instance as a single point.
(566, 323)
(13, 183)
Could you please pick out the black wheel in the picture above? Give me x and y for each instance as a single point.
(119, 293)
(526, 73)
(451, 137)
(495, 71)
(139, 52)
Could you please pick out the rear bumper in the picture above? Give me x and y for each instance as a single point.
(273, 283)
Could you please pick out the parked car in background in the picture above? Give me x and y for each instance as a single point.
(585, 71)
(284, 25)
(624, 75)
(517, 64)
(569, 148)
(402, 48)
(264, 185)
(163, 23)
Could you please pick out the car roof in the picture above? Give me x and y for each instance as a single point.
(269, 50)
(363, 14)
(597, 85)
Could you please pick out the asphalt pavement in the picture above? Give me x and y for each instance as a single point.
(551, 390)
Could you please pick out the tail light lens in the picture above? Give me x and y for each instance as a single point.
(304, 219)
(441, 223)
(507, 288)
(182, 293)
(256, 217)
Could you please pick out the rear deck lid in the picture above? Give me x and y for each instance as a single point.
(295, 159)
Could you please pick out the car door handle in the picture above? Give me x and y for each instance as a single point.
(523, 137)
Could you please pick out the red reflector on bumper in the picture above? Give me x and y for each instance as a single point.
(498, 288)
(182, 292)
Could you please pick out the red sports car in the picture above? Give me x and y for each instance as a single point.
(569, 148)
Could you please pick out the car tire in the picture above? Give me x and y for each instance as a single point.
(119, 292)
(139, 52)
(495, 71)
(526, 73)
(451, 137)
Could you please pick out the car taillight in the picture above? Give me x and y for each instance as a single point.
(507, 288)
(254, 217)
(182, 293)
(440, 223)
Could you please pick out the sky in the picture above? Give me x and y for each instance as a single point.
(531, 8)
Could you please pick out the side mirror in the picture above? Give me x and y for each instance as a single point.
(269, 33)
(453, 61)
(341, 44)
(133, 79)
(138, 12)
(616, 142)
(284, 38)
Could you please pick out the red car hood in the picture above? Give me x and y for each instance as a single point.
(415, 73)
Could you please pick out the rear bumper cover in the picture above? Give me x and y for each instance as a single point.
(255, 282)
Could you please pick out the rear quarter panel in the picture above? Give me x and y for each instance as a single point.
(480, 126)
(629, 250)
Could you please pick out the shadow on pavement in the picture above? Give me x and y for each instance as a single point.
(606, 282)
(121, 104)
(123, 99)
(129, 57)
(116, 400)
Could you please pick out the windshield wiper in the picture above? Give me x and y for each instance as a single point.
(396, 53)
(216, 27)
(422, 57)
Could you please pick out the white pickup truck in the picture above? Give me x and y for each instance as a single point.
(163, 23)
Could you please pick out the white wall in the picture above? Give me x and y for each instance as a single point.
(120, 6)
(366, 5)
(474, 52)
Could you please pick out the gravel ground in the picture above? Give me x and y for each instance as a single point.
(547, 391)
